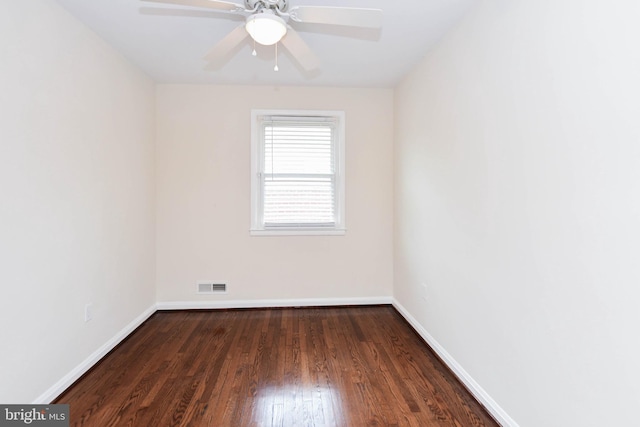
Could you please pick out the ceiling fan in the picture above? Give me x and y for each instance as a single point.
(267, 23)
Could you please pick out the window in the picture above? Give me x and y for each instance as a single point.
(297, 181)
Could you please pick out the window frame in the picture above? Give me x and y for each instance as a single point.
(258, 227)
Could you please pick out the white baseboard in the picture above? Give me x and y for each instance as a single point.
(55, 390)
(476, 390)
(265, 303)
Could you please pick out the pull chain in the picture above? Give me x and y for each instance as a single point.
(276, 67)
(254, 53)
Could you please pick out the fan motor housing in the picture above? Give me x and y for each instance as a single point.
(280, 5)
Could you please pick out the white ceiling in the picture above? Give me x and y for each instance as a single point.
(169, 42)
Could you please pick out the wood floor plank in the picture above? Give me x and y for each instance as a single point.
(338, 366)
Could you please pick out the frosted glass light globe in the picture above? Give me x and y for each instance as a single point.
(266, 28)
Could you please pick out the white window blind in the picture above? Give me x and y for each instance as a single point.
(298, 172)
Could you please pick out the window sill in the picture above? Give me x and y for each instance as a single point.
(299, 232)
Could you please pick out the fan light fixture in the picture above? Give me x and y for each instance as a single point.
(266, 28)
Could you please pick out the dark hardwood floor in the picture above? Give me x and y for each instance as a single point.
(351, 366)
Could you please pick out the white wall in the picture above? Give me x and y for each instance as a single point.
(77, 195)
(203, 198)
(518, 205)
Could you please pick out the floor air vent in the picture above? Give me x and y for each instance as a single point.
(212, 288)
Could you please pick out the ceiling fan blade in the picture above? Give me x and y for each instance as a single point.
(300, 50)
(348, 16)
(208, 4)
(225, 46)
